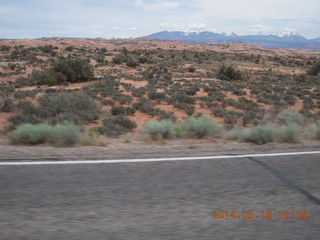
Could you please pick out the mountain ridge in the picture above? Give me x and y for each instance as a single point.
(268, 40)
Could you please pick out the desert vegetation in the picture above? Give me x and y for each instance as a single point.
(158, 88)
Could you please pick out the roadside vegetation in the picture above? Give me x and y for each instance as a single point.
(181, 93)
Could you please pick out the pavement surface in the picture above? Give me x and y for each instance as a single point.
(162, 200)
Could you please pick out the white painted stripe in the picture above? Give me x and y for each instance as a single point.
(60, 162)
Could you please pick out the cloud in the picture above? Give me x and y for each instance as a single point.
(96, 27)
(198, 26)
(159, 6)
(248, 9)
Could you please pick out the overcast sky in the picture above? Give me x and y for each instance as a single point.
(134, 18)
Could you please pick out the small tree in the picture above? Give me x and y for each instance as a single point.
(315, 69)
(74, 69)
(229, 73)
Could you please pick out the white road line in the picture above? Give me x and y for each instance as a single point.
(60, 162)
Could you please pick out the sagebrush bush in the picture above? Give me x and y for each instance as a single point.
(289, 133)
(76, 107)
(235, 133)
(163, 128)
(44, 133)
(312, 131)
(289, 116)
(201, 127)
(260, 134)
(68, 134)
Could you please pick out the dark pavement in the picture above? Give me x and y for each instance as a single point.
(161, 200)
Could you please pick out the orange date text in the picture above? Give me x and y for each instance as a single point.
(265, 214)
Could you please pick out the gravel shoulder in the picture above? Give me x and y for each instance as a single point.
(119, 149)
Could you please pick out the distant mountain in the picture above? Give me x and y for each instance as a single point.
(270, 40)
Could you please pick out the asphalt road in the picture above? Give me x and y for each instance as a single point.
(162, 200)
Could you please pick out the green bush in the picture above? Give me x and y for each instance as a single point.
(116, 126)
(290, 133)
(260, 134)
(201, 127)
(117, 110)
(163, 128)
(70, 69)
(229, 73)
(122, 98)
(43, 133)
(74, 69)
(156, 96)
(76, 107)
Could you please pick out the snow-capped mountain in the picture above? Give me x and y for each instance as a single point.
(269, 40)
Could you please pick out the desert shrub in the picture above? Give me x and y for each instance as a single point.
(230, 117)
(130, 111)
(218, 111)
(131, 62)
(47, 77)
(291, 100)
(312, 131)
(31, 134)
(235, 133)
(248, 117)
(120, 110)
(159, 72)
(108, 102)
(163, 128)
(156, 96)
(117, 110)
(191, 69)
(116, 126)
(191, 91)
(6, 104)
(26, 93)
(48, 49)
(41, 133)
(229, 73)
(147, 107)
(315, 69)
(122, 98)
(260, 134)
(168, 115)
(74, 69)
(69, 48)
(119, 58)
(238, 92)
(76, 107)
(289, 133)
(181, 98)
(200, 127)
(139, 92)
(289, 116)
(68, 69)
